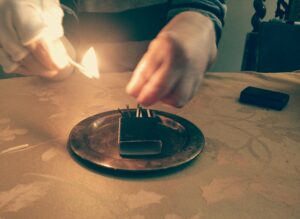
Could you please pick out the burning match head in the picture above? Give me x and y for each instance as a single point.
(90, 64)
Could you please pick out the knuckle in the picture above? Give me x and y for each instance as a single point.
(165, 41)
(167, 37)
(153, 44)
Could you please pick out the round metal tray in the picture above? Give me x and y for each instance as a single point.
(95, 140)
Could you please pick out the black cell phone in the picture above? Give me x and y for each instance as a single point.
(264, 98)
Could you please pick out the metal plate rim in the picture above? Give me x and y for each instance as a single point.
(77, 153)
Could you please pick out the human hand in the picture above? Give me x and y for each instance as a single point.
(30, 37)
(172, 69)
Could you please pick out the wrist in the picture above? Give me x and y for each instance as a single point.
(196, 34)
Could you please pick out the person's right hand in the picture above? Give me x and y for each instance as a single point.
(30, 37)
(172, 70)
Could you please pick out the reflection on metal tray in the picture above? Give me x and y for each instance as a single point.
(95, 140)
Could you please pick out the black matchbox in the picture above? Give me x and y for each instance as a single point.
(139, 136)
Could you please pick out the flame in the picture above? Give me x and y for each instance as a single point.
(90, 64)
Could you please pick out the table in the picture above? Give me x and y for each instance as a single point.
(250, 167)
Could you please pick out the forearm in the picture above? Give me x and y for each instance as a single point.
(196, 33)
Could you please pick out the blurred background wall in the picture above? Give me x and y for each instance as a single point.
(237, 24)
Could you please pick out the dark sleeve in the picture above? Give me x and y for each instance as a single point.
(214, 9)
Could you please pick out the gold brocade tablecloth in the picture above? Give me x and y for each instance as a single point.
(250, 167)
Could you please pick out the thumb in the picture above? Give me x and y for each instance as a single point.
(52, 54)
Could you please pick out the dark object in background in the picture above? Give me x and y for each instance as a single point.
(279, 47)
(138, 134)
(264, 98)
(273, 46)
(294, 11)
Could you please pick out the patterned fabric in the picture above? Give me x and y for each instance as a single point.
(250, 166)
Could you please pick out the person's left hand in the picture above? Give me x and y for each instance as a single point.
(31, 38)
(169, 72)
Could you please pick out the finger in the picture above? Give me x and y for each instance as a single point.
(181, 93)
(53, 55)
(22, 70)
(58, 53)
(144, 70)
(159, 85)
(6, 62)
(28, 22)
(36, 68)
(10, 40)
(40, 30)
(41, 52)
(52, 16)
